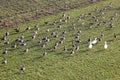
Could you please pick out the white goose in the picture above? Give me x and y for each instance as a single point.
(105, 45)
(90, 45)
(94, 42)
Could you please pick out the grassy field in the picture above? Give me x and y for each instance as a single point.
(12, 12)
(10, 7)
(86, 64)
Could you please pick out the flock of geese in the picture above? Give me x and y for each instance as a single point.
(64, 18)
(94, 42)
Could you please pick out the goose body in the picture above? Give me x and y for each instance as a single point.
(90, 45)
(26, 50)
(4, 62)
(22, 68)
(44, 53)
(72, 53)
(105, 45)
(94, 42)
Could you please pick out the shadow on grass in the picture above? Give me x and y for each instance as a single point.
(99, 51)
(111, 40)
(83, 50)
(37, 58)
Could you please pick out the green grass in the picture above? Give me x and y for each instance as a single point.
(25, 7)
(85, 64)
(23, 10)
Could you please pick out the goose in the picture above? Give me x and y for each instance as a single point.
(65, 20)
(26, 50)
(44, 53)
(96, 9)
(22, 36)
(42, 45)
(21, 40)
(53, 33)
(99, 39)
(79, 31)
(54, 48)
(112, 18)
(7, 34)
(17, 29)
(5, 52)
(111, 25)
(63, 38)
(61, 42)
(14, 46)
(77, 34)
(115, 36)
(55, 36)
(77, 37)
(78, 41)
(63, 14)
(23, 44)
(65, 49)
(40, 42)
(104, 8)
(4, 62)
(47, 40)
(105, 45)
(35, 32)
(98, 24)
(55, 21)
(33, 37)
(104, 22)
(73, 27)
(46, 22)
(102, 35)
(28, 28)
(72, 52)
(82, 15)
(22, 68)
(89, 39)
(79, 19)
(60, 20)
(73, 24)
(47, 30)
(7, 42)
(4, 38)
(96, 20)
(37, 29)
(102, 13)
(59, 26)
(68, 17)
(89, 14)
(94, 17)
(73, 45)
(56, 44)
(94, 42)
(18, 39)
(64, 32)
(77, 48)
(90, 46)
